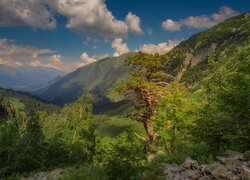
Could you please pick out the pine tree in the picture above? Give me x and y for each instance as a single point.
(146, 83)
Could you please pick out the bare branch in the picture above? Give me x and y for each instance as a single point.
(140, 137)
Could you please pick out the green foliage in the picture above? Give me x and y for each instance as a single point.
(73, 131)
(123, 157)
(26, 102)
(36, 141)
(98, 78)
(220, 41)
(174, 118)
(224, 120)
(145, 83)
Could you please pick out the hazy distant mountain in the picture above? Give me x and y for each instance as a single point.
(27, 78)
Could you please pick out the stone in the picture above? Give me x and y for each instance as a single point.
(221, 159)
(221, 172)
(172, 168)
(190, 164)
(232, 163)
(245, 173)
(193, 174)
(246, 156)
(234, 154)
(207, 169)
(236, 178)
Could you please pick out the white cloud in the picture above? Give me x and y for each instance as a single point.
(28, 12)
(133, 23)
(87, 60)
(92, 16)
(203, 21)
(83, 16)
(16, 56)
(161, 48)
(171, 25)
(120, 48)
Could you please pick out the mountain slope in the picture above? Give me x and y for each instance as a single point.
(189, 59)
(26, 102)
(27, 78)
(189, 62)
(97, 78)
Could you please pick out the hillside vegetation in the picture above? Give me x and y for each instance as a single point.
(26, 102)
(189, 60)
(97, 78)
(147, 119)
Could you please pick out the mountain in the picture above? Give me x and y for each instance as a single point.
(27, 78)
(190, 59)
(26, 102)
(188, 63)
(97, 78)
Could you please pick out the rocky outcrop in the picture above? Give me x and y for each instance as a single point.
(55, 174)
(232, 166)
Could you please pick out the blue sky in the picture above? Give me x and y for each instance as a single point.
(66, 34)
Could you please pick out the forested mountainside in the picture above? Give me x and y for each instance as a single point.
(97, 78)
(148, 134)
(26, 102)
(188, 62)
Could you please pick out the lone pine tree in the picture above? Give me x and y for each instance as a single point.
(146, 83)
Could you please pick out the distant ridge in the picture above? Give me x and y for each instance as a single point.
(97, 78)
(27, 78)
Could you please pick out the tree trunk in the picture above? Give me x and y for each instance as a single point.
(150, 132)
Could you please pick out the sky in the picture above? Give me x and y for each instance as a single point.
(67, 34)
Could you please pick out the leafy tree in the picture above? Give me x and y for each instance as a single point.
(124, 156)
(30, 150)
(145, 82)
(72, 133)
(224, 120)
(174, 117)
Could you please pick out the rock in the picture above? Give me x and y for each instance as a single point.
(193, 174)
(246, 156)
(170, 167)
(207, 169)
(238, 177)
(234, 154)
(190, 164)
(245, 173)
(56, 174)
(221, 159)
(205, 178)
(232, 164)
(221, 172)
(246, 163)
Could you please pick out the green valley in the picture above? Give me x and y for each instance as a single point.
(183, 114)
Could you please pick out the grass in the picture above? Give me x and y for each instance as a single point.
(112, 126)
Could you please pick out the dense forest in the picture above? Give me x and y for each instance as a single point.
(200, 113)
